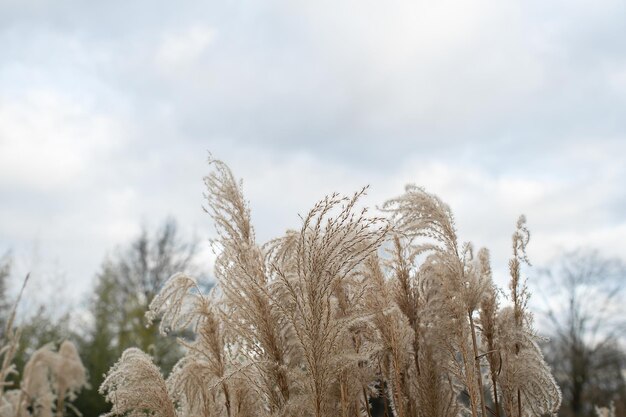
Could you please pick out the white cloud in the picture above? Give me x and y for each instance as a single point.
(49, 140)
(179, 50)
(617, 79)
(498, 107)
(438, 63)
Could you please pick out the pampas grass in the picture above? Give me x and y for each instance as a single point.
(350, 309)
(50, 380)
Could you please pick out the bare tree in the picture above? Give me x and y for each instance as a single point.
(583, 294)
(137, 273)
(128, 281)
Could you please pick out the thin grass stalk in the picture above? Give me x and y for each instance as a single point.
(477, 365)
(397, 381)
(60, 400)
(13, 337)
(344, 395)
(495, 391)
(367, 403)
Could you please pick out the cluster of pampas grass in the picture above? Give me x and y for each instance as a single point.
(349, 310)
(49, 379)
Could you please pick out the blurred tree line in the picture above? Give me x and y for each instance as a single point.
(124, 286)
(583, 313)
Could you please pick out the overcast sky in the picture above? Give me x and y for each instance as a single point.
(108, 110)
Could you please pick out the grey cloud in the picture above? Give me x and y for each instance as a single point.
(513, 91)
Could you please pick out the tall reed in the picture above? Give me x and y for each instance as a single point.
(349, 310)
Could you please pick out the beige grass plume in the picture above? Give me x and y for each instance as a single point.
(346, 310)
(135, 386)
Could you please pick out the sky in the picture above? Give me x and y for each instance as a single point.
(108, 112)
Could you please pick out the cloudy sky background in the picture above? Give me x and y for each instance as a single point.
(108, 110)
